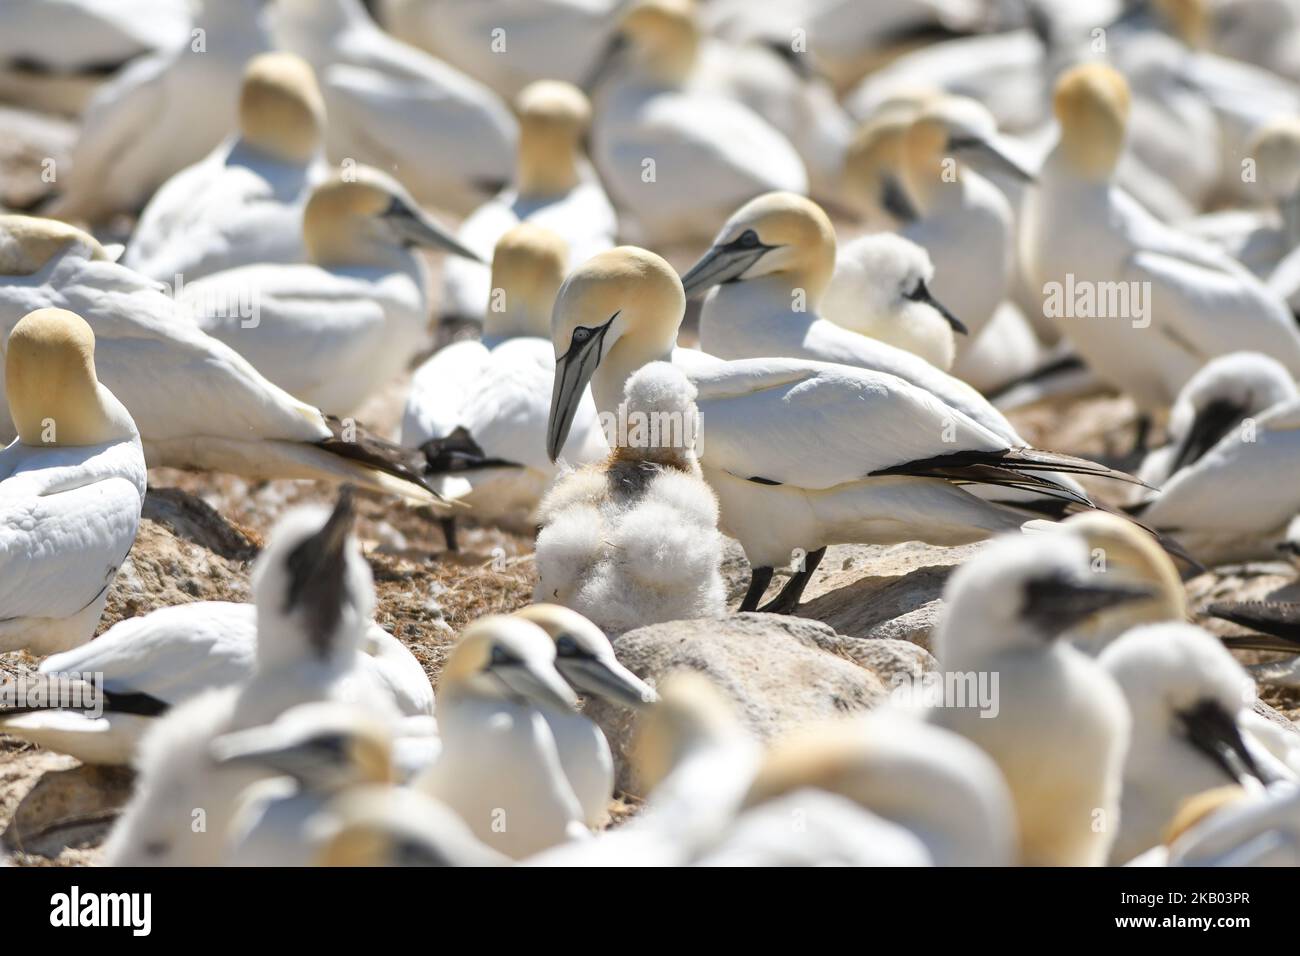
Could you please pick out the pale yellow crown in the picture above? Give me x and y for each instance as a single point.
(691, 710)
(281, 110)
(528, 266)
(28, 243)
(1092, 104)
(664, 36)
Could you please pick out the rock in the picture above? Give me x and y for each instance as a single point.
(68, 812)
(781, 672)
(193, 519)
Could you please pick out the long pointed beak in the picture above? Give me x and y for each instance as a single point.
(1214, 731)
(573, 370)
(720, 264)
(895, 200)
(607, 679)
(263, 748)
(922, 294)
(541, 686)
(604, 65)
(994, 156)
(317, 570)
(1062, 603)
(418, 229)
(1210, 425)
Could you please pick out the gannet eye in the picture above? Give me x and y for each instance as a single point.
(748, 239)
(581, 334)
(499, 656)
(566, 646)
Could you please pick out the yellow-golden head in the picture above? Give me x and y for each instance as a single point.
(281, 111)
(1092, 103)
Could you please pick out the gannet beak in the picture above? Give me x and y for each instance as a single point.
(1059, 603)
(1213, 731)
(541, 686)
(605, 63)
(261, 747)
(1211, 423)
(573, 370)
(895, 200)
(722, 263)
(317, 568)
(608, 679)
(922, 294)
(417, 229)
(993, 154)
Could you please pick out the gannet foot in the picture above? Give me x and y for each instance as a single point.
(759, 579)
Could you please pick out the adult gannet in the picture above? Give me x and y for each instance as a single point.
(333, 330)
(795, 450)
(477, 409)
(1144, 304)
(554, 187)
(196, 402)
(71, 486)
(243, 202)
(1060, 730)
(635, 540)
(142, 126)
(1235, 827)
(585, 659)
(1193, 727)
(677, 159)
(499, 768)
(153, 663)
(446, 137)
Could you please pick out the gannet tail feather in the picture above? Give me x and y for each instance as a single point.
(382, 464)
(1277, 621)
(458, 452)
(65, 692)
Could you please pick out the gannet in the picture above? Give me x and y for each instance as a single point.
(677, 159)
(499, 768)
(1193, 727)
(196, 402)
(1060, 730)
(333, 330)
(1239, 828)
(153, 663)
(143, 126)
(1144, 304)
(477, 409)
(242, 203)
(71, 486)
(554, 187)
(314, 595)
(394, 107)
(635, 540)
(585, 659)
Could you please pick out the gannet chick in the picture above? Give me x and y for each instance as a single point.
(554, 187)
(196, 402)
(635, 540)
(675, 158)
(1189, 700)
(880, 288)
(362, 300)
(1163, 303)
(142, 126)
(934, 784)
(394, 107)
(71, 486)
(396, 826)
(242, 203)
(499, 768)
(477, 410)
(585, 659)
(153, 663)
(1061, 727)
(794, 447)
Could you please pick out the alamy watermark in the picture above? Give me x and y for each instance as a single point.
(977, 690)
(1085, 299)
(82, 692)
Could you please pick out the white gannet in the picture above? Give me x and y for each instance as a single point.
(795, 450)
(1145, 304)
(314, 596)
(445, 136)
(153, 663)
(71, 486)
(1236, 429)
(1229, 826)
(1193, 727)
(333, 330)
(554, 187)
(477, 409)
(499, 768)
(1056, 724)
(142, 126)
(243, 202)
(585, 659)
(196, 402)
(677, 159)
(635, 540)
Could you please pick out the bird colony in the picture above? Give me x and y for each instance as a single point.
(656, 432)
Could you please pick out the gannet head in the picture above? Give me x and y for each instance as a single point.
(618, 310)
(314, 591)
(54, 396)
(28, 244)
(553, 118)
(585, 658)
(900, 273)
(1020, 593)
(1200, 807)
(508, 659)
(1091, 103)
(874, 176)
(777, 233)
(398, 826)
(361, 215)
(1276, 149)
(1223, 393)
(656, 39)
(971, 134)
(281, 111)
(1190, 19)
(691, 715)
(323, 745)
(1182, 685)
(528, 266)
